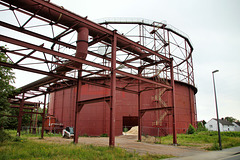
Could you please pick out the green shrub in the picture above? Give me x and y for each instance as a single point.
(201, 127)
(104, 135)
(4, 136)
(191, 129)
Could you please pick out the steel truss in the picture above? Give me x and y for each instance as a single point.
(47, 39)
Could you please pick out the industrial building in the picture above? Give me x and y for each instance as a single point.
(105, 75)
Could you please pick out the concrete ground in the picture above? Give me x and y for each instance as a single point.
(225, 154)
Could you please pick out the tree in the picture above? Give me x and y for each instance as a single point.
(191, 129)
(201, 126)
(204, 122)
(230, 119)
(6, 89)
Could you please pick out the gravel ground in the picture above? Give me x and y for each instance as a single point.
(129, 142)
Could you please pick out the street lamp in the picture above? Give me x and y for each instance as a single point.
(219, 135)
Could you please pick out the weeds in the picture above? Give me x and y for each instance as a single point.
(229, 139)
(38, 150)
(4, 136)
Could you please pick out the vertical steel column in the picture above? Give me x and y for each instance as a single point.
(43, 115)
(139, 109)
(81, 52)
(63, 103)
(76, 110)
(113, 91)
(20, 116)
(30, 129)
(38, 105)
(188, 77)
(173, 104)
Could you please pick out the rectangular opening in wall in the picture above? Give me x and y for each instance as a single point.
(129, 122)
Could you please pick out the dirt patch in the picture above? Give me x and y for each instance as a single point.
(128, 142)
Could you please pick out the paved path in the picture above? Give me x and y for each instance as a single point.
(225, 154)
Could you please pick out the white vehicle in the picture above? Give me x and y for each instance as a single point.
(68, 132)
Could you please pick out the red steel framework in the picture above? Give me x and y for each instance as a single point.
(47, 39)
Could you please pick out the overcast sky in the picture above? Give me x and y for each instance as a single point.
(214, 29)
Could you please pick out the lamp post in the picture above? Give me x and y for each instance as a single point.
(219, 135)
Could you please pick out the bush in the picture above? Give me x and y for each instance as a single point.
(191, 129)
(104, 135)
(4, 136)
(201, 127)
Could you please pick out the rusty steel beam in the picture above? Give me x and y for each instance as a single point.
(29, 54)
(81, 52)
(109, 59)
(68, 19)
(173, 104)
(94, 73)
(76, 110)
(113, 91)
(108, 86)
(31, 112)
(95, 100)
(36, 71)
(29, 103)
(143, 79)
(53, 40)
(156, 109)
(23, 107)
(97, 39)
(154, 63)
(20, 116)
(43, 115)
(64, 44)
(151, 52)
(25, 31)
(139, 108)
(48, 51)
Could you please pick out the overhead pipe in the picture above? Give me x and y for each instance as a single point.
(59, 15)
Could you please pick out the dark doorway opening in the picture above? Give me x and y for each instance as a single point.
(129, 122)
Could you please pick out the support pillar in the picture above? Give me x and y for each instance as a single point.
(81, 52)
(76, 130)
(30, 129)
(173, 104)
(20, 116)
(139, 110)
(113, 92)
(43, 115)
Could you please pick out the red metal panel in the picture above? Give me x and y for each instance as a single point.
(94, 118)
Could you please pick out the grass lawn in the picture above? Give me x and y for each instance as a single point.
(24, 148)
(205, 139)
